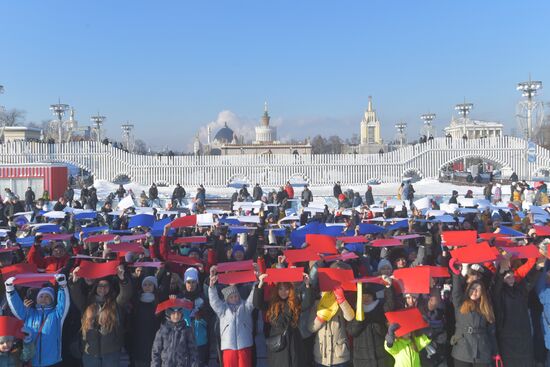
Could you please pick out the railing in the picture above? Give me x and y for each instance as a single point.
(427, 159)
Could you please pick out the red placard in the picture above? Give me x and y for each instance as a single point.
(385, 242)
(237, 277)
(235, 266)
(475, 254)
(438, 271)
(56, 236)
(290, 275)
(542, 231)
(11, 326)
(408, 236)
(523, 252)
(34, 278)
(321, 243)
(341, 257)
(146, 264)
(458, 238)
(185, 260)
(186, 221)
(192, 239)
(174, 303)
(91, 270)
(133, 237)
(352, 239)
(126, 247)
(330, 278)
(373, 280)
(20, 268)
(100, 238)
(302, 255)
(413, 280)
(409, 320)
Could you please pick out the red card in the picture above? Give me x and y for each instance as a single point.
(438, 271)
(299, 256)
(56, 236)
(20, 268)
(91, 270)
(187, 221)
(409, 320)
(289, 275)
(523, 252)
(10, 326)
(126, 247)
(321, 243)
(408, 236)
(413, 280)
(475, 254)
(8, 249)
(542, 231)
(330, 278)
(235, 266)
(385, 242)
(237, 277)
(133, 237)
(352, 239)
(458, 238)
(34, 278)
(174, 303)
(100, 238)
(193, 239)
(373, 280)
(341, 257)
(146, 264)
(185, 260)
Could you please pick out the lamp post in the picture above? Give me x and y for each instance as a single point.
(127, 135)
(97, 120)
(428, 118)
(530, 110)
(59, 109)
(401, 126)
(529, 89)
(464, 109)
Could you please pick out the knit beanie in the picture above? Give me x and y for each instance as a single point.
(384, 263)
(228, 291)
(150, 279)
(47, 290)
(191, 274)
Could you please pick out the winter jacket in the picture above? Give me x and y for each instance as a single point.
(543, 291)
(474, 340)
(29, 197)
(369, 199)
(257, 193)
(307, 197)
(69, 194)
(513, 321)
(17, 358)
(144, 325)
(46, 323)
(336, 191)
(368, 335)
(95, 343)
(174, 346)
(49, 264)
(290, 191)
(235, 321)
(153, 193)
(404, 353)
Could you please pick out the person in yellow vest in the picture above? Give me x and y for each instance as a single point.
(406, 349)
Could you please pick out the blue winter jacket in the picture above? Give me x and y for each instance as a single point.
(48, 340)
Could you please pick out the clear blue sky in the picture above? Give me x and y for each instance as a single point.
(171, 67)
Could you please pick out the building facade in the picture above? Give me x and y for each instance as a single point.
(473, 129)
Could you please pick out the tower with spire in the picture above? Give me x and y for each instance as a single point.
(370, 127)
(264, 132)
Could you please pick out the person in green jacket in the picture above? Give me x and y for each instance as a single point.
(406, 349)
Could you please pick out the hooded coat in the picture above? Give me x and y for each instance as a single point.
(174, 346)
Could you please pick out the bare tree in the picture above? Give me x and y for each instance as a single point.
(140, 147)
(13, 117)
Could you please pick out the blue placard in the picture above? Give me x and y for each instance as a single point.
(143, 220)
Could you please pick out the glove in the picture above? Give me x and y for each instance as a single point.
(61, 280)
(339, 294)
(28, 335)
(9, 284)
(430, 350)
(476, 267)
(498, 360)
(390, 336)
(327, 308)
(454, 266)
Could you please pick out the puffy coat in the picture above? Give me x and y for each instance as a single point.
(174, 346)
(46, 323)
(513, 320)
(474, 340)
(16, 358)
(369, 335)
(404, 353)
(235, 321)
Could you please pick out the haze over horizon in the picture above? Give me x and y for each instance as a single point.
(172, 68)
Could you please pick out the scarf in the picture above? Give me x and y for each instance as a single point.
(147, 297)
(371, 306)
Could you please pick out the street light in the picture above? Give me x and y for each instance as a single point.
(97, 120)
(127, 135)
(59, 109)
(401, 126)
(428, 118)
(529, 90)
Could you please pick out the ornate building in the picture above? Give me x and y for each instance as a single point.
(370, 138)
(473, 129)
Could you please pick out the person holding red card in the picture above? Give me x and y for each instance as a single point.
(236, 325)
(16, 342)
(284, 342)
(406, 348)
(474, 342)
(45, 319)
(331, 345)
(102, 316)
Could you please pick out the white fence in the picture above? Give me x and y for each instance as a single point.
(427, 159)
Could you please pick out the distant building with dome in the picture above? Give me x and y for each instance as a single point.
(370, 134)
(226, 142)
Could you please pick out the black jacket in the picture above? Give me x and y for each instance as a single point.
(174, 346)
(29, 197)
(369, 199)
(257, 193)
(153, 193)
(336, 190)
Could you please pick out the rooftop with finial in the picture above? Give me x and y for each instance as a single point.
(369, 108)
(265, 117)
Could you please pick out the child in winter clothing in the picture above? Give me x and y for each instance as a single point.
(405, 350)
(235, 323)
(174, 344)
(14, 352)
(45, 319)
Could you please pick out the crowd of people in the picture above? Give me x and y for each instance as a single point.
(395, 282)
